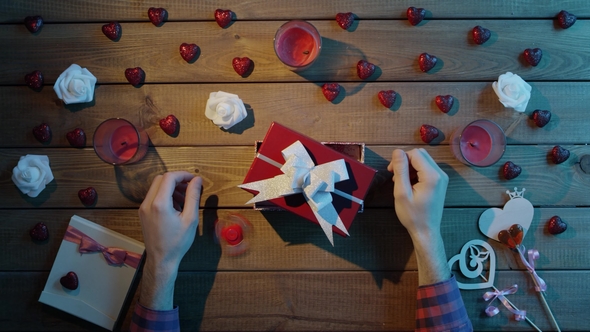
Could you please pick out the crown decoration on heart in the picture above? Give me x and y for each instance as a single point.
(518, 210)
(471, 260)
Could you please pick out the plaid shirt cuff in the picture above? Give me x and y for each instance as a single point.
(145, 319)
(440, 308)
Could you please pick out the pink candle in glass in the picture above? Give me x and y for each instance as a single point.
(481, 143)
(118, 141)
(297, 44)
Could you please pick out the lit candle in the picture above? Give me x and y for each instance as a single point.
(297, 44)
(118, 141)
(480, 143)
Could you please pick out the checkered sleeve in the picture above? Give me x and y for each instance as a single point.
(440, 308)
(147, 320)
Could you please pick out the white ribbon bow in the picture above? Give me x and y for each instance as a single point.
(316, 183)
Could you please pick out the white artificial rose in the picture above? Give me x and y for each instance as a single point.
(512, 91)
(225, 109)
(31, 174)
(75, 85)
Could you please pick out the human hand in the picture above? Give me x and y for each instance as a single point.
(419, 208)
(169, 216)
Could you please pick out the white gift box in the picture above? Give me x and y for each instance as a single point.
(102, 288)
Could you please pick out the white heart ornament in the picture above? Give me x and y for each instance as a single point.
(517, 210)
(477, 257)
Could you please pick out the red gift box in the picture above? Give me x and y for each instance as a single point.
(280, 137)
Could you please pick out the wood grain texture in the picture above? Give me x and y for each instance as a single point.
(125, 186)
(284, 242)
(14, 11)
(393, 46)
(359, 117)
(307, 301)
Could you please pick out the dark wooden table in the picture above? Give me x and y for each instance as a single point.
(291, 278)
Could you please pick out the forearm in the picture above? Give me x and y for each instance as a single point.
(431, 258)
(157, 288)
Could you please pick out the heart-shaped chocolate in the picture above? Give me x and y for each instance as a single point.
(479, 252)
(70, 280)
(516, 211)
(427, 62)
(188, 51)
(512, 237)
(112, 30)
(33, 23)
(135, 76)
(533, 56)
(444, 103)
(157, 15)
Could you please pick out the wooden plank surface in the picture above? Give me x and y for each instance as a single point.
(359, 117)
(393, 46)
(341, 301)
(14, 11)
(291, 278)
(284, 242)
(125, 186)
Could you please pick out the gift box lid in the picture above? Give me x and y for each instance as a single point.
(280, 137)
(102, 288)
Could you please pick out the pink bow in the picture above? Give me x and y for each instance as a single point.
(492, 310)
(113, 255)
(533, 254)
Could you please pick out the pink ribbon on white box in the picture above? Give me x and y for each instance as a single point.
(315, 182)
(113, 255)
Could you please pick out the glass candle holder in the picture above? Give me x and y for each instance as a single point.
(297, 44)
(117, 142)
(481, 143)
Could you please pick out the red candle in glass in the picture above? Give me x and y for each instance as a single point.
(480, 143)
(118, 141)
(297, 44)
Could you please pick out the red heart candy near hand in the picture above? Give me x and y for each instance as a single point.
(428, 133)
(512, 237)
(188, 51)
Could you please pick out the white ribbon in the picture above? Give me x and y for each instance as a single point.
(316, 183)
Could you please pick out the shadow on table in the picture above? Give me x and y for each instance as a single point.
(330, 64)
(134, 180)
(193, 287)
(378, 243)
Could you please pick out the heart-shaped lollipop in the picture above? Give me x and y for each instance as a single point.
(512, 237)
(517, 210)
